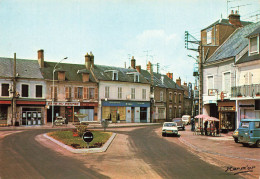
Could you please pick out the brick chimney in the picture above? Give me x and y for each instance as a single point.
(184, 83)
(170, 75)
(149, 67)
(178, 81)
(87, 61)
(234, 19)
(133, 62)
(91, 60)
(138, 68)
(41, 58)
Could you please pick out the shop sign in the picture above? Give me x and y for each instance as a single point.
(212, 92)
(63, 103)
(126, 103)
(227, 108)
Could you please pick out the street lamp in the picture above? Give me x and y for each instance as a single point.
(53, 89)
(193, 57)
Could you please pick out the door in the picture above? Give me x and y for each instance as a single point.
(29, 118)
(113, 111)
(132, 114)
(143, 114)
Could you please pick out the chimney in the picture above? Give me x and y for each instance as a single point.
(91, 60)
(87, 61)
(178, 81)
(41, 58)
(138, 68)
(234, 19)
(169, 75)
(184, 83)
(149, 67)
(133, 62)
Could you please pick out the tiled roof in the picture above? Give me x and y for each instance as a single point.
(24, 68)
(234, 44)
(226, 22)
(246, 58)
(167, 82)
(105, 73)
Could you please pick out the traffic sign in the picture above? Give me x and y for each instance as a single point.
(88, 136)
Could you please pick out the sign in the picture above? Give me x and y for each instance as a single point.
(190, 90)
(222, 96)
(126, 103)
(63, 103)
(88, 136)
(212, 92)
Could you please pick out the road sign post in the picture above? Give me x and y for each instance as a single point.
(88, 137)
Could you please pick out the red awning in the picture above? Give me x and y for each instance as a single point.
(5, 102)
(88, 104)
(31, 102)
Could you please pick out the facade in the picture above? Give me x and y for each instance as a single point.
(75, 90)
(22, 86)
(123, 94)
(188, 99)
(219, 75)
(246, 92)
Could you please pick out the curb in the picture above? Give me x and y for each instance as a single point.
(214, 153)
(90, 150)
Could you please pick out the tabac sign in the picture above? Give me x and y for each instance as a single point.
(63, 103)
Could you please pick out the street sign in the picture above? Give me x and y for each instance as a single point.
(88, 136)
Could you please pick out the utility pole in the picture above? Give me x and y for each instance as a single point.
(13, 121)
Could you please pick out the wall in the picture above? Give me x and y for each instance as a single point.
(32, 87)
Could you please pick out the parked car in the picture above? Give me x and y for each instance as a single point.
(249, 132)
(186, 119)
(235, 135)
(169, 128)
(180, 123)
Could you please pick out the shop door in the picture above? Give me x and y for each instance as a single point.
(143, 114)
(132, 114)
(113, 111)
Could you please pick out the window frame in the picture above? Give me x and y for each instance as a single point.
(257, 46)
(7, 89)
(144, 94)
(208, 82)
(223, 81)
(37, 85)
(161, 96)
(119, 92)
(28, 90)
(132, 93)
(107, 88)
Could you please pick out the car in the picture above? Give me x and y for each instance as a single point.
(186, 119)
(235, 135)
(169, 128)
(249, 132)
(180, 123)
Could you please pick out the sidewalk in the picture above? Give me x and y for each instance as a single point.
(224, 149)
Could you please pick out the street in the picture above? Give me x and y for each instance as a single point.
(135, 153)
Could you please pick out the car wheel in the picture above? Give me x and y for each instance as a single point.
(245, 144)
(236, 140)
(163, 134)
(258, 144)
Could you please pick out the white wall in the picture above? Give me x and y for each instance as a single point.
(244, 69)
(32, 87)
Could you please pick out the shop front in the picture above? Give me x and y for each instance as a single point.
(247, 109)
(227, 115)
(4, 105)
(73, 111)
(31, 112)
(126, 111)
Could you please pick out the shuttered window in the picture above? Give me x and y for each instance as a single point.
(144, 94)
(67, 92)
(132, 93)
(119, 92)
(210, 82)
(55, 92)
(107, 92)
(226, 80)
(85, 93)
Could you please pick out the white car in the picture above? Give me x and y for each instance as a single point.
(186, 119)
(169, 128)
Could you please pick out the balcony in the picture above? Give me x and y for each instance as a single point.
(246, 91)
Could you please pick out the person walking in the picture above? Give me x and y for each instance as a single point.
(205, 127)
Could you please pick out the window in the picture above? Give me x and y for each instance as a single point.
(161, 113)
(257, 124)
(161, 95)
(170, 96)
(91, 93)
(78, 92)
(175, 97)
(144, 94)
(180, 112)
(226, 82)
(132, 93)
(254, 45)
(210, 82)
(38, 91)
(67, 92)
(55, 92)
(115, 75)
(107, 92)
(179, 98)
(136, 77)
(248, 78)
(25, 90)
(209, 36)
(170, 113)
(5, 90)
(119, 92)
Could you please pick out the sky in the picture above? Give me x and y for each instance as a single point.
(113, 30)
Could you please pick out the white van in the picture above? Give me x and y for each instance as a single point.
(186, 119)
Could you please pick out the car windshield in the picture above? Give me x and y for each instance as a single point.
(244, 124)
(169, 124)
(178, 120)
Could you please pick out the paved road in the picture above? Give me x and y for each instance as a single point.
(22, 157)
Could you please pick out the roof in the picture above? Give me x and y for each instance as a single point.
(104, 73)
(234, 44)
(226, 22)
(255, 32)
(73, 72)
(24, 68)
(245, 58)
(166, 83)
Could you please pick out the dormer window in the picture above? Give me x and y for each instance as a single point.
(136, 77)
(209, 36)
(115, 75)
(254, 45)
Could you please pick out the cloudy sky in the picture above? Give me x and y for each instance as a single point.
(114, 30)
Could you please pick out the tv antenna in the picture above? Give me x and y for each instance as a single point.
(239, 6)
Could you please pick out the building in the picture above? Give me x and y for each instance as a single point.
(22, 92)
(219, 74)
(124, 94)
(246, 91)
(188, 99)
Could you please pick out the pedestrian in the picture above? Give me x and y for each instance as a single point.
(192, 124)
(217, 126)
(211, 127)
(205, 127)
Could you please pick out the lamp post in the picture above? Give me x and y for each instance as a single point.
(53, 89)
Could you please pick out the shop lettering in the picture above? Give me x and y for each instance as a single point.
(238, 170)
(63, 104)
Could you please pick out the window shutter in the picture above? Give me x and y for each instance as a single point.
(67, 92)
(250, 78)
(75, 92)
(55, 92)
(96, 93)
